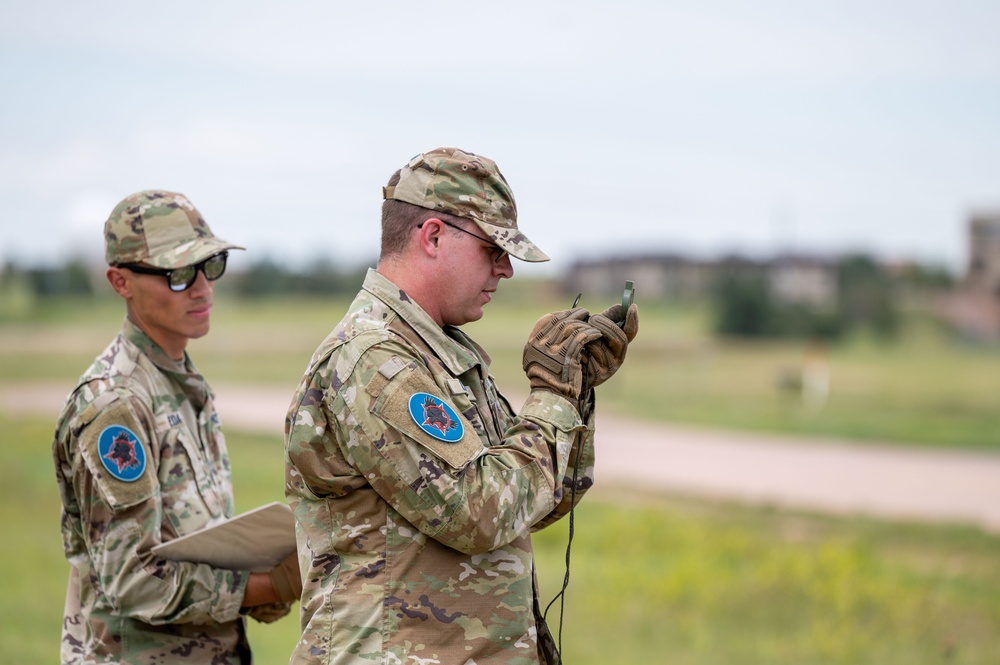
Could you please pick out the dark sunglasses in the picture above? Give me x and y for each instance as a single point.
(181, 279)
(494, 248)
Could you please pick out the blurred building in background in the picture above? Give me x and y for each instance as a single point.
(791, 278)
(973, 307)
(970, 304)
(984, 254)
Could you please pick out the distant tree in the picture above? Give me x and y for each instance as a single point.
(807, 322)
(925, 277)
(8, 273)
(264, 278)
(71, 279)
(743, 307)
(321, 277)
(866, 296)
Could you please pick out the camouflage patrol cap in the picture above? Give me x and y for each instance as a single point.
(162, 229)
(463, 184)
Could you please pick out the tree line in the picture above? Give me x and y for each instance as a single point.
(868, 295)
(263, 278)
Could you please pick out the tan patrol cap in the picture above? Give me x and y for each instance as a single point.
(162, 229)
(464, 184)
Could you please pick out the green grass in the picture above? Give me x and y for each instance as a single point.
(658, 579)
(925, 389)
(653, 578)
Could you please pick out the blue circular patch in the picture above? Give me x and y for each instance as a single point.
(436, 417)
(122, 453)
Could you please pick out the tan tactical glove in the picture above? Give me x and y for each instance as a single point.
(606, 355)
(286, 580)
(552, 356)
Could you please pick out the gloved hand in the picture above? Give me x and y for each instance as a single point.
(271, 612)
(552, 356)
(286, 580)
(606, 355)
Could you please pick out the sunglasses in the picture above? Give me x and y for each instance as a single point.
(496, 250)
(181, 279)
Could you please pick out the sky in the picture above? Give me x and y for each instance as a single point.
(697, 128)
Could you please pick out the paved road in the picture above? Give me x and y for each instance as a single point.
(838, 477)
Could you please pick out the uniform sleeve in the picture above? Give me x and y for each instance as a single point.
(579, 463)
(115, 479)
(412, 442)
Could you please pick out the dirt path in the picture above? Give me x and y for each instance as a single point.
(838, 477)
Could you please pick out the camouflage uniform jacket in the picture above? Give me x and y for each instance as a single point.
(415, 488)
(140, 459)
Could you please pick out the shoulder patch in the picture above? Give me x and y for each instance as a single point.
(436, 417)
(122, 453)
(119, 455)
(413, 404)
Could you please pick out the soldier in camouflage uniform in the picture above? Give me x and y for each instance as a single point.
(414, 483)
(140, 459)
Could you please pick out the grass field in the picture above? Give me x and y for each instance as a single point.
(925, 389)
(654, 578)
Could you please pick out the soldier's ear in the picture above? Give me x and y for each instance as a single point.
(120, 281)
(429, 233)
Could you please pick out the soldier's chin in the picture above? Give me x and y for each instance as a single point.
(200, 331)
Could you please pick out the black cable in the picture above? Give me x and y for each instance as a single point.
(561, 596)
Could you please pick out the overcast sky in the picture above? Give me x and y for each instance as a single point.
(691, 127)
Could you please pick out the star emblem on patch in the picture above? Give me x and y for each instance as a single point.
(436, 417)
(122, 453)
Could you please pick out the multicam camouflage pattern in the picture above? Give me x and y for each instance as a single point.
(162, 229)
(123, 603)
(463, 184)
(412, 549)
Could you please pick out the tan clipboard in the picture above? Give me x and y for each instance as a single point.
(256, 540)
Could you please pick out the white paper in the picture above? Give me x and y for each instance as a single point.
(256, 540)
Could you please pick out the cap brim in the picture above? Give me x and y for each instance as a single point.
(513, 242)
(191, 252)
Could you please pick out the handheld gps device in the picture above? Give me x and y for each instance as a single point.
(627, 297)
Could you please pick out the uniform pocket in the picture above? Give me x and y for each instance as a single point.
(190, 493)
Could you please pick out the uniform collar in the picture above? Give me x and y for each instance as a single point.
(183, 371)
(452, 347)
(134, 334)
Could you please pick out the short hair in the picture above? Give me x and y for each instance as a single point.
(400, 218)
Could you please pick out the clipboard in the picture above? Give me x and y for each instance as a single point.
(256, 540)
